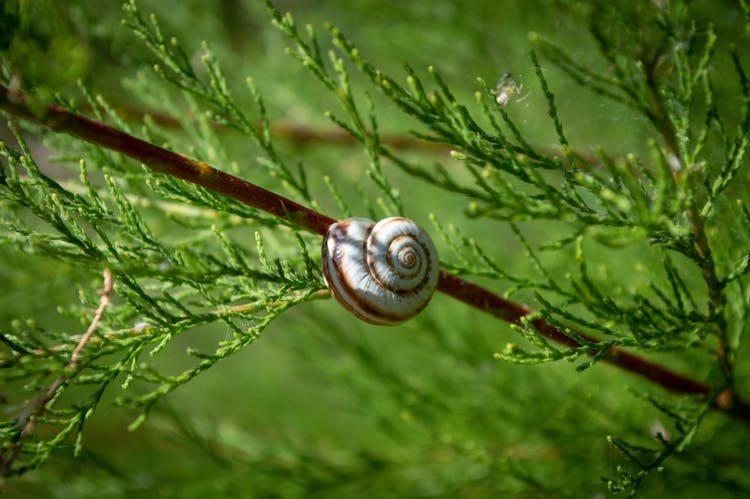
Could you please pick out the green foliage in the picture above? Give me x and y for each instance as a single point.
(646, 250)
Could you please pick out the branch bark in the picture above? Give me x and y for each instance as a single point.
(166, 162)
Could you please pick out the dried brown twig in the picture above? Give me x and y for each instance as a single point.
(36, 407)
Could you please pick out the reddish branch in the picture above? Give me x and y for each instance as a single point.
(163, 161)
(513, 312)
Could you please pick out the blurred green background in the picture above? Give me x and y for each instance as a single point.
(324, 405)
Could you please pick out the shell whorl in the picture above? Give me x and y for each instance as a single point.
(385, 272)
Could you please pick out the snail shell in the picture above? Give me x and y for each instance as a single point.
(385, 272)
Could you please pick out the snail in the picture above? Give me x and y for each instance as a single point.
(385, 272)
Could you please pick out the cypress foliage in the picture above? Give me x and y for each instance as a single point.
(599, 197)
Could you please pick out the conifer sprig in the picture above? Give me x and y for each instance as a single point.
(162, 289)
(171, 313)
(165, 287)
(290, 211)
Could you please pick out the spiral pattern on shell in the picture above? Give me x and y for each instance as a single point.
(385, 272)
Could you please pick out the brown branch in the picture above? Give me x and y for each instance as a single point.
(163, 161)
(38, 406)
(160, 160)
(513, 312)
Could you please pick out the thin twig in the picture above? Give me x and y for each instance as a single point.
(163, 161)
(38, 406)
(299, 134)
(303, 136)
(223, 311)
